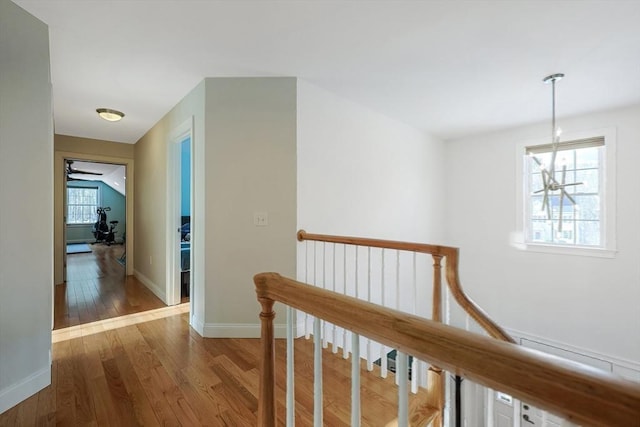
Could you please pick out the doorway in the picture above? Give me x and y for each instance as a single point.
(106, 288)
(95, 203)
(180, 224)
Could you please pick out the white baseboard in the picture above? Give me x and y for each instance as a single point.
(16, 393)
(157, 290)
(198, 325)
(239, 330)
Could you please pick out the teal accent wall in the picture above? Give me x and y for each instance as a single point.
(108, 197)
(185, 178)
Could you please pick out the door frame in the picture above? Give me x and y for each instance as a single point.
(59, 244)
(173, 213)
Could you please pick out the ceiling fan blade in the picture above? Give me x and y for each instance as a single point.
(71, 170)
(84, 172)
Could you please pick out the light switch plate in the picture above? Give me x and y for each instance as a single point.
(260, 219)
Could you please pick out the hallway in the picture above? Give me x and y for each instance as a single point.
(97, 289)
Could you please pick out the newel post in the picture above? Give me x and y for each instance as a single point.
(435, 376)
(267, 400)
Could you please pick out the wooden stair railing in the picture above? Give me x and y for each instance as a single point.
(435, 377)
(569, 389)
(438, 253)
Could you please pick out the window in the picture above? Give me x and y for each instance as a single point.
(580, 220)
(82, 204)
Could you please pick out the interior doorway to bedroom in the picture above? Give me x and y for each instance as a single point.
(96, 286)
(181, 233)
(185, 218)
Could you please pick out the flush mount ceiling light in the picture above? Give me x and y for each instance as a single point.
(109, 114)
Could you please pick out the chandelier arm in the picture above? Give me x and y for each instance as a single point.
(571, 199)
(572, 183)
(552, 166)
(545, 188)
(562, 193)
(546, 200)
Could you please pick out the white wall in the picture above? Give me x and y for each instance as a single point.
(585, 302)
(26, 230)
(151, 198)
(363, 174)
(250, 158)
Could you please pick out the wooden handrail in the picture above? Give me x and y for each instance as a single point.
(451, 272)
(577, 392)
(377, 243)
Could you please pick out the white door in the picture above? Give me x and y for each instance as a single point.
(175, 218)
(504, 406)
(532, 416)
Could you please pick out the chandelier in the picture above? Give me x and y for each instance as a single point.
(552, 184)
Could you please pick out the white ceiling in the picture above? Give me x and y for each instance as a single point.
(450, 68)
(112, 175)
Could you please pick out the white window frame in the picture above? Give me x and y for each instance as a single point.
(82, 224)
(607, 191)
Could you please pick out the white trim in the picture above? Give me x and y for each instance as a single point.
(157, 290)
(569, 250)
(197, 324)
(59, 211)
(614, 360)
(17, 392)
(239, 330)
(609, 244)
(177, 135)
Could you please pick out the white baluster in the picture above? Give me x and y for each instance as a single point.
(397, 299)
(290, 370)
(306, 280)
(369, 356)
(334, 347)
(355, 379)
(415, 286)
(317, 374)
(357, 292)
(325, 342)
(383, 349)
(414, 361)
(414, 375)
(402, 362)
(345, 353)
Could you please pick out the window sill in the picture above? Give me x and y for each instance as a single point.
(569, 250)
(80, 225)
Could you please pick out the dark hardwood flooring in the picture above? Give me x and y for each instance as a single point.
(97, 289)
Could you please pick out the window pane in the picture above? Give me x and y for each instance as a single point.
(565, 158)
(587, 157)
(588, 233)
(588, 207)
(541, 231)
(82, 204)
(536, 182)
(589, 179)
(579, 223)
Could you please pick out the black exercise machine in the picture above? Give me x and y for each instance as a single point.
(101, 231)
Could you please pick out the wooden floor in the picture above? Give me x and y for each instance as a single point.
(97, 288)
(161, 372)
(152, 369)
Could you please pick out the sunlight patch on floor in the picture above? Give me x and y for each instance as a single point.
(77, 331)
